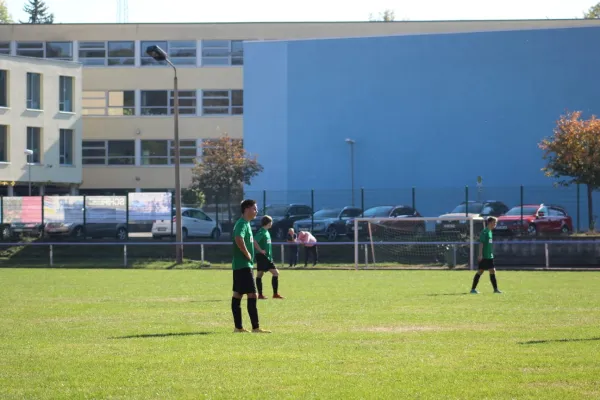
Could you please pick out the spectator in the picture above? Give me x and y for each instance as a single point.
(293, 239)
(310, 247)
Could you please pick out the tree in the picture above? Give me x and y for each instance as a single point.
(5, 17)
(38, 13)
(385, 16)
(593, 12)
(572, 154)
(224, 169)
(192, 197)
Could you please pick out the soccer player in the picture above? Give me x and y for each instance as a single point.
(486, 256)
(242, 264)
(310, 247)
(264, 258)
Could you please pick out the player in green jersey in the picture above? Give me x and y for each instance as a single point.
(264, 258)
(486, 256)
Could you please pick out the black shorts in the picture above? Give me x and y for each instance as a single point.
(243, 281)
(263, 263)
(487, 263)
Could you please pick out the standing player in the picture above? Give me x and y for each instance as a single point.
(243, 280)
(264, 258)
(486, 256)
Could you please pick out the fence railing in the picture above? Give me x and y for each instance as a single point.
(509, 253)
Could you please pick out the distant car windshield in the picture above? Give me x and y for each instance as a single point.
(474, 208)
(526, 211)
(328, 213)
(378, 212)
(277, 211)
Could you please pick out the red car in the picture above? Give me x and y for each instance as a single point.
(537, 219)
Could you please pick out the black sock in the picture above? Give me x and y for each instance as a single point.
(253, 313)
(237, 312)
(494, 283)
(275, 283)
(475, 281)
(259, 285)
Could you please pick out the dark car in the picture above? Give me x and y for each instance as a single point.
(284, 216)
(476, 209)
(99, 223)
(400, 211)
(328, 222)
(17, 229)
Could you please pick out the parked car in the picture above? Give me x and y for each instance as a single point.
(328, 222)
(99, 223)
(15, 229)
(400, 226)
(194, 223)
(537, 219)
(476, 209)
(284, 216)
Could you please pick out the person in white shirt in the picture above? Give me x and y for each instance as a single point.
(310, 247)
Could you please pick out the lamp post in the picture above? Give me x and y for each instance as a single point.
(351, 143)
(160, 55)
(29, 154)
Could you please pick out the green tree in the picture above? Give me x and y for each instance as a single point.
(5, 17)
(572, 155)
(385, 16)
(38, 13)
(593, 12)
(192, 197)
(224, 170)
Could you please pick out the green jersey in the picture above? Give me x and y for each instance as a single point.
(242, 229)
(486, 241)
(263, 238)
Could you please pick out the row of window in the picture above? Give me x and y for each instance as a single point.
(120, 53)
(34, 91)
(34, 141)
(151, 152)
(162, 102)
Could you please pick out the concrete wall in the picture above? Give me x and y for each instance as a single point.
(431, 111)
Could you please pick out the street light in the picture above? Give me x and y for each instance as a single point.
(160, 55)
(29, 154)
(351, 143)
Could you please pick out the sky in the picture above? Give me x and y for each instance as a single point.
(103, 11)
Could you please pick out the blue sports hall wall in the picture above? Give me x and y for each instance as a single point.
(428, 111)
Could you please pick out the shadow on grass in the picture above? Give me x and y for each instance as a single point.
(158, 335)
(560, 341)
(448, 294)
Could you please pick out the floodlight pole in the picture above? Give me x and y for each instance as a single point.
(29, 173)
(178, 227)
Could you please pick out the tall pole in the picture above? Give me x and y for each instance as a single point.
(29, 173)
(352, 169)
(178, 234)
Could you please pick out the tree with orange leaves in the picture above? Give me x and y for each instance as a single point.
(572, 154)
(224, 169)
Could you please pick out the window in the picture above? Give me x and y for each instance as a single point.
(59, 50)
(65, 101)
(4, 143)
(30, 49)
(162, 152)
(34, 91)
(181, 52)
(222, 102)
(66, 147)
(107, 53)
(33, 144)
(113, 103)
(222, 52)
(161, 102)
(5, 48)
(3, 88)
(108, 152)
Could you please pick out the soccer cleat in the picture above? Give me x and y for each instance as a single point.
(236, 330)
(261, 297)
(278, 296)
(259, 330)
(474, 291)
(497, 291)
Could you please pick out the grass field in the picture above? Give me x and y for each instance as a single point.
(156, 334)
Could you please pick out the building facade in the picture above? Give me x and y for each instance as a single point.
(427, 111)
(127, 97)
(40, 125)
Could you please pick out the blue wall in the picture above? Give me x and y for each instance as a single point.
(431, 111)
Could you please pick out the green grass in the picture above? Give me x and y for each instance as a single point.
(156, 334)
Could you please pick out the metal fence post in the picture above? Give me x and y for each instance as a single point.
(547, 255)
(362, 200)
(127, 216)
(202, 252)
(173, 216)
(84, 216)
(51, 256)
(43, 227)
(264, 202)
(414, 198)
(282, 254)
(1, 210)
(312, 207)
(578, 208)
(125, 255)
(467, 200)
(521, 201)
